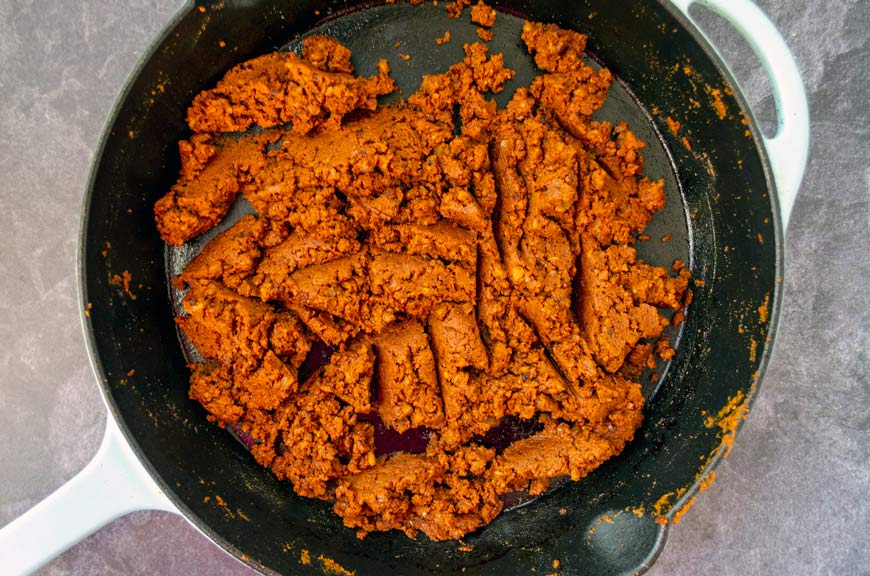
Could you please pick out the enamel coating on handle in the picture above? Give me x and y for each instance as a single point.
(788, 148)
(113, 483)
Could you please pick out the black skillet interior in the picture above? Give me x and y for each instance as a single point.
(720, 218)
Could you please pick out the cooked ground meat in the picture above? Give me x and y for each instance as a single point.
(483, 14)
(274, 89)
(463, 264)
(409, 392)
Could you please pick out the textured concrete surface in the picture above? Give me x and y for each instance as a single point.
(792, 497)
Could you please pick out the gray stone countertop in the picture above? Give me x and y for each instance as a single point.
(791, 499)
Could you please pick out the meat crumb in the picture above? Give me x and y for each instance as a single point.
(483, 14)
(454, 9)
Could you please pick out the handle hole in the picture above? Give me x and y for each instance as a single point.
(745, 67)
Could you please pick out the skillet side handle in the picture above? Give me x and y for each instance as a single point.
(788, 148)
(113, 483)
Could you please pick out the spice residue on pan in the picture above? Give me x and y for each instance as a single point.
(123, 280)
(764, 310)
(221, 503)
(705, 483)
(425, 314)
(678, 515)
(663, 505)
(718, 105)
(330, 566)
(728, 419)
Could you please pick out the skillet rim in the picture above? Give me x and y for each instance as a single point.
(93, 348)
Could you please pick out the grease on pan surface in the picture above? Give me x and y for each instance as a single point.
(453, 266)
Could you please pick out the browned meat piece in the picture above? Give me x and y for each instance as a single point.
(301, 249)
(413, 285)
(193, 206)
(653, 285)
(554, 190)
(420, 206)
(459, 205)
(538, 256)
(225, 326)
(381, 498)
(289, 339)
(230, 257)
(507, 151)
(463, 85)
(465, 165)
(263, 427)
(349, 375)
(494, 308)
(614, 211)
(327, 54)
(545, 286)
(409, 395)
(336, 287)
(555, 49)
(325, 326)
(573, 96)
(289, 89)
(320, 435)
(369, 162)
(664, 350)
(487, 72)
(276, 196)
(640, 357)
(211, 385)
(535, 167)
(457, 347)
(226, 390)
(533, 385)
(612, 320)
(441, 240)
(455, 336)
(599, 405)
(559, 450)
(372, 213)
(459, 506)
(414, 492)
(195, 154)
(267, 386)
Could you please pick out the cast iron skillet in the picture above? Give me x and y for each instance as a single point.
(722, 216)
